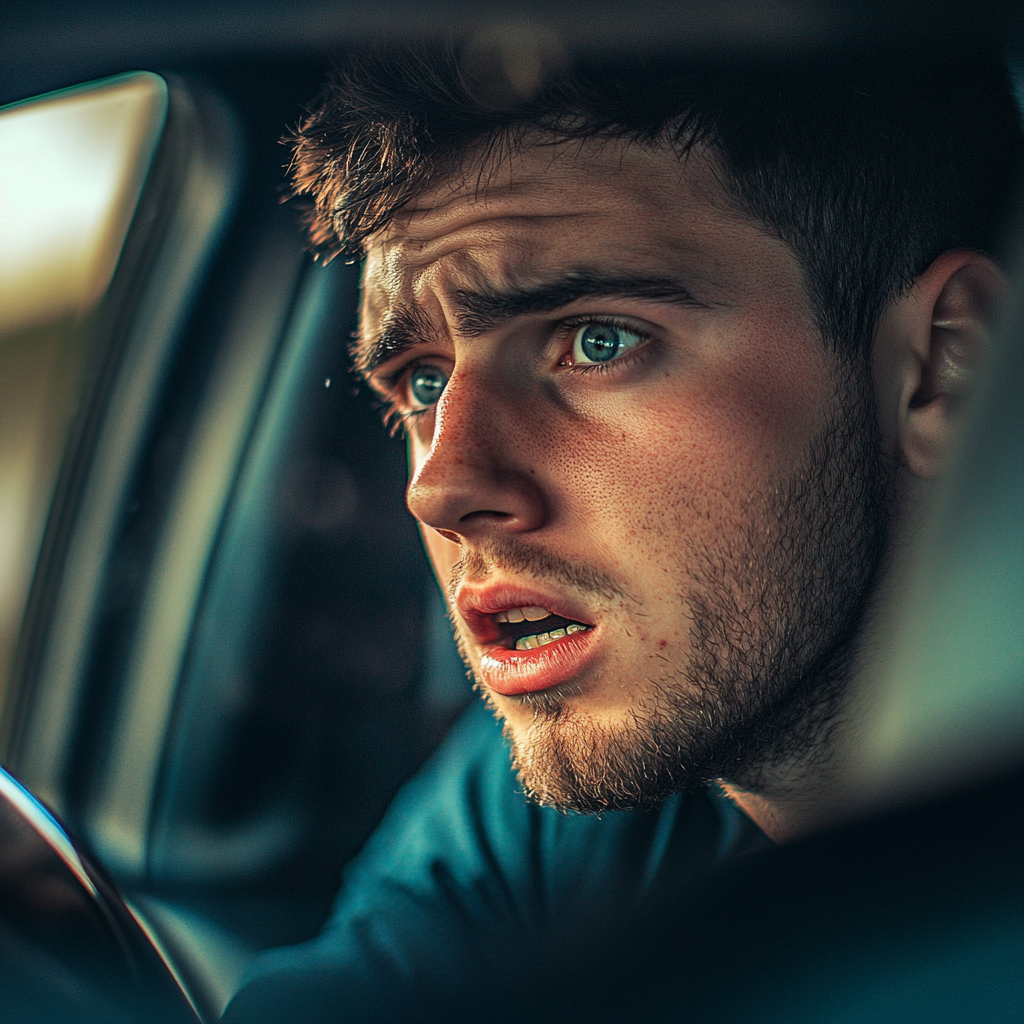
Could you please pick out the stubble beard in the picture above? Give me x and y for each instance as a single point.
(773, 640)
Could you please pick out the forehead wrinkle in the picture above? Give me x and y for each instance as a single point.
(429, 224)
(475, 216)
(455, 242)
(456, 204)
(530, 184)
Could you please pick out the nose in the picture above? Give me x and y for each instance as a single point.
(476, 477)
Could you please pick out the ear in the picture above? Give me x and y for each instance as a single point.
(929, 347)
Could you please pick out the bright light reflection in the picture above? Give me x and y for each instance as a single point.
(71, 170)
(69, 181)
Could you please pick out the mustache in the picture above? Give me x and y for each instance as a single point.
(513, 555)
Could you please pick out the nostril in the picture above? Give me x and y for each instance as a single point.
(448, 535)
(487, 513)
(487, 520)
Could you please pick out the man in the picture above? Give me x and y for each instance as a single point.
(677, 353)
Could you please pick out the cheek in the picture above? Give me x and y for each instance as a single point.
(680, 466)
(759, 407)
(642, 486)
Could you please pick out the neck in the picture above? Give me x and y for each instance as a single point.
(785, 812)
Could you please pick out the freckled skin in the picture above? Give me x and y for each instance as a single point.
(630, 471)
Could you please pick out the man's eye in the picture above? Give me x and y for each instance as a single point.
(426, 383)
(601, 343)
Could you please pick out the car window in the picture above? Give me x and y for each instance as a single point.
(116, 328)
(71, 171)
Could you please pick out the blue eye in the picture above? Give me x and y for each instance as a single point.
(426, 383)
(601, 343)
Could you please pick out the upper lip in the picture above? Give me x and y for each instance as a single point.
(477, 605)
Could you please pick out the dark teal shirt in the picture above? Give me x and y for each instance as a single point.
(463, 870)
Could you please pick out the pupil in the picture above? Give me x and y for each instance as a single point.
(426, 384)
(600, 343)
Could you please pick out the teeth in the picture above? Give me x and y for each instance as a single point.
(528, 643)
(534, 614)
(530, 614)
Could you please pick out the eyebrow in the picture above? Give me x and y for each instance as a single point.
(402, 328)
(483, 309)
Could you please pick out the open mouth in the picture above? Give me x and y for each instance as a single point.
(527, 647)
(524, 629)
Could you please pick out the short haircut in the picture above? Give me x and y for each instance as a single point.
(868, 169)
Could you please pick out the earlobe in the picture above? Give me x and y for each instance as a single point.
(949, 330)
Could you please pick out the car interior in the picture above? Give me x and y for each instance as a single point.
(222, 651)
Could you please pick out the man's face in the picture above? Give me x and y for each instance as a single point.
(635, 463)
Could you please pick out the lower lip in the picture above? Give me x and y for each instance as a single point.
(511, 672)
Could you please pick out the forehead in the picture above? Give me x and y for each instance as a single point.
(547, 209)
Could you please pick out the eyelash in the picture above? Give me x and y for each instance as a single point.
(396, 418)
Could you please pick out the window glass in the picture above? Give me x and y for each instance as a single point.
(72, 165)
